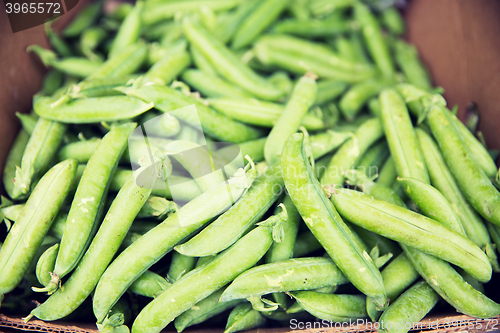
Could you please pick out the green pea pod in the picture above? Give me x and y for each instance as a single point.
(409, 308)
(237, 220)
(149, 284)
(338, 308)
(325, 223)
(129, 60)
(374, 107)
(302, 98)
(201, 62)
(308, 273)
(40, 149)
(252, 148)
(14, 157)
(153, 245)
(281, 80)
(129, 31)
(57, 43)
(472, 180)
(203, 310)
(257, 21)
(391, 18)
(28, 232)
(345, 48)
(374, 158)
(372, 240)
(90, 40)
(351, 151)
(305, 244)
(100, 87)
(328, 90)
(260, 113)
(243, 317)
(211, 85)
(401, 137)
(377, 46)
(45, 265)
(79, 150)
(167, 99)
(202, 282)
(312, 28)
(359, 179)
(388, 173)
(325, 142)
(52, 81)
(412, 229)
(226, 30)
(86, 17)
(359, 94)
(323, 8)
(432, 203)
(90, 110)
(28, 121)
(180, 265)
(169, 67)
(227, 64)
(57, 228)
(406, 56)
(101, 251)
(397, 275)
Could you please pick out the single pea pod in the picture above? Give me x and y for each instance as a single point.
(128, 61)
(473, 182)
(243, 317)
(227, 64)
(90, 110)
(57, 228)
(85, 18)
(28, 121)
(157, 208)
(308, 274)
(302, 98)
(45, 266)
(100, 252)
(32, 225)
(180, 265)
(237, 220)
(328, 90)
(213, 123)
(260, 113)
(149, 284)
(401, 137)
(412, 229)
(203, 281)
(79, 150)
(336, 308)
(252, 148)
(323, 143)
(351, 152)
(322, 219)
(169, 66)
(391, 19)
(129, 31)
(227, 28)
(52, 81)
(257, 21)
(99, 87)
(203, 310)
(374, 158)
(388, 173)
(90, 40)
(201, 62)
(153, 245)
(432, 203)
(56, 42)
(305, 244)
(312, 28)
(40, 149)
(211, 85)
(406, 56)
(409, 308)
(14, 158)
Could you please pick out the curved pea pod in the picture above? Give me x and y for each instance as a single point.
(322, 219)
(203, 310)
(157, 242)
(149, 284)
(213, 123)
(336, 308)
(203, 281)
(328, 90)
(237, 220)
(83, 20)
(14, 158)
(351, 152)
(397, 276)
(129, 60)
(302, 98)
(409, 308)
(169, 66)
(257, 21)
(40, 149)
(406, 56)
(88, 202)
(211, 85)
(227, 64)
(285, 275)
(100, 252)
(28, 232)
(401, 137)
(243, 317)
(180, 265)
(359, 94)
(473, 182)
(451, 286)
(412, 229)
(376, 45)
(79, 150)
(129, 30)
(260, 113)
(45, 265)
(432, 203)
(305, 244)
(91, 110)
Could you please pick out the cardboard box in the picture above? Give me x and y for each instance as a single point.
(458, 40)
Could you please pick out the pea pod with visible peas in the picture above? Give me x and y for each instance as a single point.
(325, 223)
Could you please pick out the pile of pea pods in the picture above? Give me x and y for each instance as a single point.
(361, 196)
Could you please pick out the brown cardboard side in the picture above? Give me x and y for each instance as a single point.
(459, 41)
